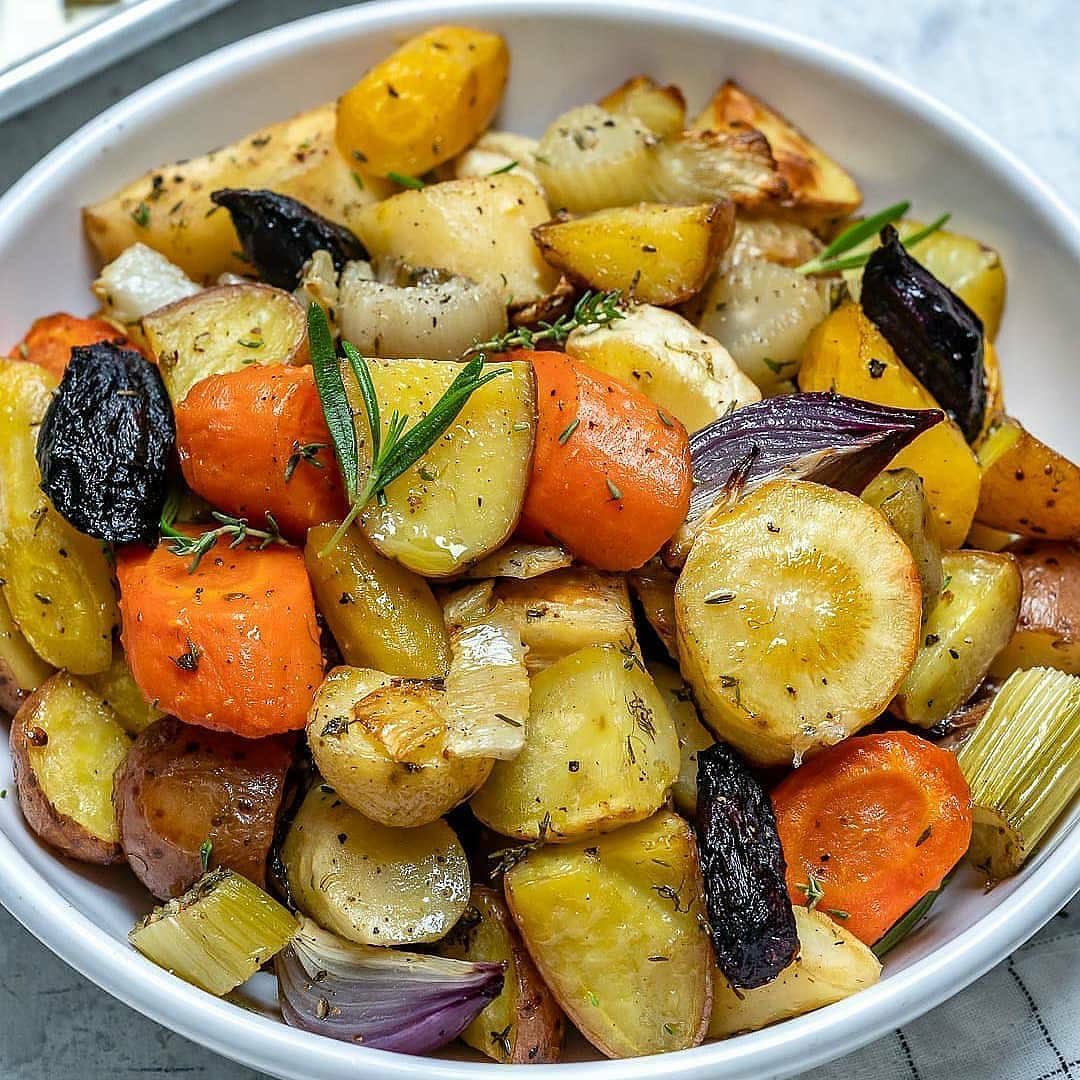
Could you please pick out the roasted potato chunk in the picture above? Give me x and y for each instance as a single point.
(1047, 630)
(21, 669)
(169, 208)
(463, 498)
(598, 915)
(969, 624)
(659, 109)
(382, 615)
(659, 254)
(66, 744)
(183, 787)
(832, 965)
(117, 688)
(692, 734)
(479, 228)
(820, 192)
(382, 744)
(524, 1024)
(224, 329)
(370, 883)
(689, 375)
(600, 751)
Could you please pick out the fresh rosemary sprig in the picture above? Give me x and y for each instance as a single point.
(829, 261)
(907, 922)
(593, 310)
(399, 447)
(237, 528)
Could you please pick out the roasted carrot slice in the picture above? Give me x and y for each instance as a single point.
(50, 339)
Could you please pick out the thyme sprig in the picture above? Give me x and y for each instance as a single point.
(593, 310)
(237, 529)
(829, 261)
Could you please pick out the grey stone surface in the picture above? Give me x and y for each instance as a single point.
(1009, 65)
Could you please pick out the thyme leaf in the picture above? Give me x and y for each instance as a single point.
(236, 529)
(593, 310)
(402, 180)
(308, 452)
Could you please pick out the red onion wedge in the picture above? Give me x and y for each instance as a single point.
(409, 1002)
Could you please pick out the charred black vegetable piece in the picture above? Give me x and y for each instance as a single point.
(932, 330)
(106, 443)
(753, 926)
(279, 234)
(835, 440)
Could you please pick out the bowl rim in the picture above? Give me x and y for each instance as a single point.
(266, 1044)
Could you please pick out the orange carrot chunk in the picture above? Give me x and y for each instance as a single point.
(611, 471)
(254, 441)
(233, 646)
(870, 826)
(51, 338)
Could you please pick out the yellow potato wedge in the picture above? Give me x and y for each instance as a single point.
(1027, 487)
(965, 629)
(798, 614)
(659, 109)
(21, 669)
(832, 965)
(693, 735)
(424, 103)
(479, 228)
(820, 192)
(463, 498)
(224, 329)
(371, 883)
(616, 926)
(847, 353)
(600, 751)
(169, 208)
(117, 688)
(689, 375)
(382, 615)
(66, 744)
(1047, 630)
(658, 254)
(524, 1024)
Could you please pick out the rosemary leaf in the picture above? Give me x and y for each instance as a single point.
(825, 263)
(335, 402)
(406, 181)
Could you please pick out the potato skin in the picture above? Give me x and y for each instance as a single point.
(183, 785)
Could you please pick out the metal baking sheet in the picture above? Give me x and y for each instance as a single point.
(93, 43)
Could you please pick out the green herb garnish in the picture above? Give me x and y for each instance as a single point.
(141, 215)
(813, 889)
(205, 848)
(197, 546)
(906, 923)
(510, 165)
(402, 180)
(308, 452)
(593, 310)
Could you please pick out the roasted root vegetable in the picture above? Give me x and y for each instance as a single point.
(832, 964)
(57, 583)
(653, 585)
(659, 109)
(463, 497)
(742, 865)
(370, 883)
(217, 935)
(66, 743)
(689, 375)
(1027, 487)
(21, 669)
(1047, 630)
(186, 798)
(848, 354)
(692, 734)
(658, 254)
(1023, 765)
(424, 103)
(479, 228)
(230, 644)
(384, 999)
(138, 281)
(254, 441)
(600, 751)
(523, 1025)
(521, 561)
(870, 826)
(48, 343)
(381, 615)
(106, 443)
(614, 923)
(169, 208)
(117, 688)
(967, 626)
(773, 240)
(610, 476)
(493, 153)
(845, 589)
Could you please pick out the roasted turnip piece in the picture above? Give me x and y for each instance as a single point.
(753, 927)
(279, 234)
(933, 331)
(105, 444)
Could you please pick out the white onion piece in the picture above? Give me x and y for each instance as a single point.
(140, 280)
(497, 152)
(521, 560)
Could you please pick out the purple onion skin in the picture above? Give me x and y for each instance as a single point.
(403, 1018)
(839, 441)
(937, 336)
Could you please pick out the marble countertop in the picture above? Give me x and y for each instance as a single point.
(1009, 65)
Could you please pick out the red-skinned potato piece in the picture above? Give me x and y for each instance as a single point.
(233, 646)
(182, 787)
(256, 440)
(611, 472)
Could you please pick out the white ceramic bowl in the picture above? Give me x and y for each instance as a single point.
(899, 144)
